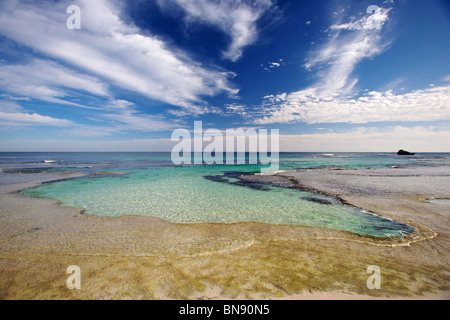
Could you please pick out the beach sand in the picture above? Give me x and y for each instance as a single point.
(136, 257)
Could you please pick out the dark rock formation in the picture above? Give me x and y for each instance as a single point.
(317, 200)
(404, 153)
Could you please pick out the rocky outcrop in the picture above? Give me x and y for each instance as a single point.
(402, 152)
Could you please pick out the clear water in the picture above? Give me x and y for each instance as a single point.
(152, 186)
(445, 202)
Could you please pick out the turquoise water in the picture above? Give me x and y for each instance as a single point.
(183, 195)
(152, 186)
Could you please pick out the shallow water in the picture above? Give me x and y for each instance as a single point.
(184, 195)
(445, 202)
(153, 186)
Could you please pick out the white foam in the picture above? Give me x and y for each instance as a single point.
(270, 173)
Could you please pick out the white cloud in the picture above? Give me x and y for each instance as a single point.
(235, 17)
(117, 117)
(32, 119)
(112, 50)
(122, 116)
(48, 81)
(307, 106)
(368, 22)
(272, 65)
(140, 122)
(13, 115)
(336, 60)
(9, 107)
(236, 109)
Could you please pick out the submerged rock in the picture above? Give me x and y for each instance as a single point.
(318, 200)
(226, 176)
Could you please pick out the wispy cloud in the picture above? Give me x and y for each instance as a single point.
(235, 108)
(125, 116)
(118, 117)
(396, 84)
(336, 60)
(110, 49)
(13, 115)
(237, 18)
(48, 81)
(272, 65)
(115, 118)
(375, 20)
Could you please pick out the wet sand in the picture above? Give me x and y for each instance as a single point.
(135, 257)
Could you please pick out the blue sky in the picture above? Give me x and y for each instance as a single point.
(328, 74)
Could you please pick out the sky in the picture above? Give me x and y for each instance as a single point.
(330, 75)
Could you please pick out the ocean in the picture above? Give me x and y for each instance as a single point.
(149, 184)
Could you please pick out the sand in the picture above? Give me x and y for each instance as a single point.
(135, 257)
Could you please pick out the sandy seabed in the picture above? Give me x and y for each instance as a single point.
(136, 257)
